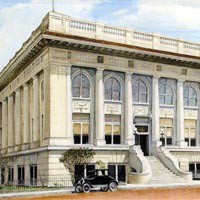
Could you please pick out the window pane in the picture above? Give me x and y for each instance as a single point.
(190, 122)
(192, 92)
(169, 141)
(112, 118)
(135, 97)
(116, 85)
(162, 89)
(142, 88)
(76, 82)
(162, 100)
(76, 92)
(168, 100)
(121, 173)
(135, 87)
(107, 90)
(108, 129)
(85, 130)
(85, 82)
(186, 133)
(166, 122)
(107, 95)
(169, 132)
(77, 128)
(116, 130)
(85, 92)
(85, 139)
(143, 98)
(186, 92)
(77, 139)
(185, 101)
(192, 102)
(116, 96)
(168, 90)
(81, 117)
(112, 170)
(116, 139)
(192, 133)
(108, 139)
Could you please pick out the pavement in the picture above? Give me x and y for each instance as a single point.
(121, 187)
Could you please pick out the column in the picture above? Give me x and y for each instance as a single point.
(100, 121)
(155, 113)
(36, 130)
(18, 138)
(11, 121)
(180, 115)
(129, 139)
(5, 123)
(26, 137)
(69, 123)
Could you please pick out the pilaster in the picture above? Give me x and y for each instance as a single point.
(155, 113)
(11, 136)
(180, 115)
(128, 110)
(100, 121)
(5, 124)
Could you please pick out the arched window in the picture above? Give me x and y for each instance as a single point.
(190, 97)
(166, 94)
(81, 86)
(112, 89)
(140, 92)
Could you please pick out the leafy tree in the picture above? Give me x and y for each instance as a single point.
(4, 169)
(76, 156)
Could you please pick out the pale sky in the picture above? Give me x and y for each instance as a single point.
(173, 18)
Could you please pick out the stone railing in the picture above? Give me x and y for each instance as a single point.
(61, 23)
(140, 164)
(171, 162)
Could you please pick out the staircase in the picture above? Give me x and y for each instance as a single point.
(161, 174)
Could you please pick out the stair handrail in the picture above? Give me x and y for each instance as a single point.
(171, 162)
(138, 161)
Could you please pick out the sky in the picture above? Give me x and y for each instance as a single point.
(172, 18)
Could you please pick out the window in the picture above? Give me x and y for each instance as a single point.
(190, 97)
(117, 171)
(112, 129)
(3, 175)
(10, 175)
(166, 94)
(195, 169)
(83, 170)
(81, 128)
(33, 174)
(166, 131)
(140, 92)
(21, 174)
(112, 90)
(190, 131)
(81, 86)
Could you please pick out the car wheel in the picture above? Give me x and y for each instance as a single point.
(104, 189)
(113, 186)
(78, 188)
(86, 188)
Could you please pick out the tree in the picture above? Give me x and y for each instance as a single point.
(76, 156)
(4, 170)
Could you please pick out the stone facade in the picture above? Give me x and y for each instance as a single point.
(84, 91)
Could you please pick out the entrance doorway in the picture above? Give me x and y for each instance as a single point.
(142, 138)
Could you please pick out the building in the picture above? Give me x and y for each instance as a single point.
(131, 96)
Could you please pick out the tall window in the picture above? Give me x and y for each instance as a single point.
(21, 175)
(83, 170)
(33, 174)
(112, 89)
(81, 128)
(81, 86)
(117, 171)
(140, 92)
(166, 131)
(190, 131)
(195, 169)
(190, 97)
(166, 94)
(10, 175)
(112, 129)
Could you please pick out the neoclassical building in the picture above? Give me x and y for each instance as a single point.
(133, 97)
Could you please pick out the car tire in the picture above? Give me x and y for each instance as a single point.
(113, 186)
(78, 188)
(104, 189)
(86, 188)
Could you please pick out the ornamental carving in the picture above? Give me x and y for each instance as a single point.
(190, 114)
(166, 113)
(81, 106)
(110, 108)
(144, 66)
(140, 110)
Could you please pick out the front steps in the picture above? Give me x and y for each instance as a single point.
(161, 174)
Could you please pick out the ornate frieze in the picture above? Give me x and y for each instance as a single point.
(190, 114)
(144, 66)
(167, 112)
(140, 110)
(59, 54)
(80, 106)
(111, 108)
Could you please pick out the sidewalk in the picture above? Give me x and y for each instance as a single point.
(121, 187)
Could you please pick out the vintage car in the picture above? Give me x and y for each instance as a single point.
(99, 178)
